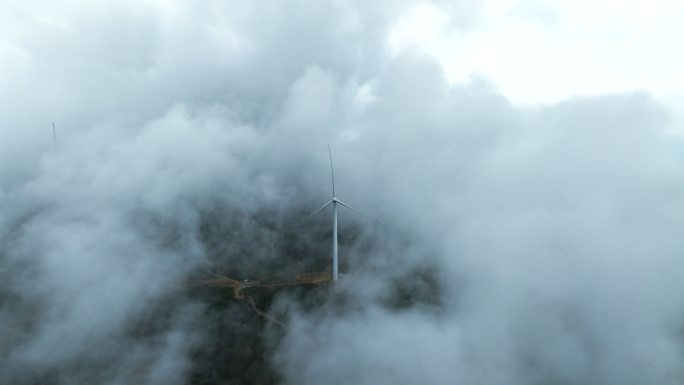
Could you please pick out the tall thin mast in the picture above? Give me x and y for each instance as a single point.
(334, 246)
(334, 202)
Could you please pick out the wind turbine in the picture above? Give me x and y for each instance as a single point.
(334, 202)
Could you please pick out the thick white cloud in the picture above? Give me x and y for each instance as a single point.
(520, 245)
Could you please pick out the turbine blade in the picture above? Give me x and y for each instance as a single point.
(322, 207)
(332, 172)
(359, 212)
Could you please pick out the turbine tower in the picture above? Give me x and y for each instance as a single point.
(334, 202)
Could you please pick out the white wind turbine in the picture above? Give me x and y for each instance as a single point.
(334, 201)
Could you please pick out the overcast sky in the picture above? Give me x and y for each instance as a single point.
(524, 156)
(544, 51)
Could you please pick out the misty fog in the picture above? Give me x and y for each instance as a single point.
(509, 243)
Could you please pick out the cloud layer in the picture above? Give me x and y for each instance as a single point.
(519, 246)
